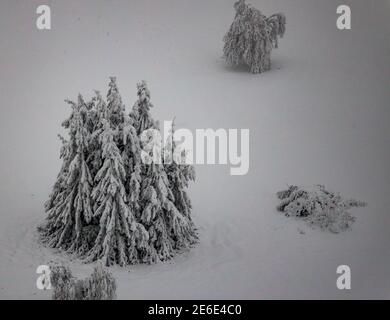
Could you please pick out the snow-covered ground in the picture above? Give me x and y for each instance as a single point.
(321, 115)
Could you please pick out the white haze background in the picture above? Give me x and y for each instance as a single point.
(321, 115)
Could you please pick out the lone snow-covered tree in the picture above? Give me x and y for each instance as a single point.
(107, 204)
(252, 36)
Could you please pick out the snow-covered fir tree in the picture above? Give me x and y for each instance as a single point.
(69, 206)
(97, 115)
(115, 107)
(141, 109)
(116, 221)
(169, 228)
(108, 205)
(252, 36)
(318, 206)
(131, 155)
(179, 173)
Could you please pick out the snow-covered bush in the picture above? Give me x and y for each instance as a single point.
(63, 283)
(107, 204)
(252, 36)
(318, 206)
(100, 285)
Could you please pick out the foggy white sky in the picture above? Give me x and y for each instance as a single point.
(320, 116)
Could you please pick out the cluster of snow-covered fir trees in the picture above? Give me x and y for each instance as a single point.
(107, 204)
(252, 36)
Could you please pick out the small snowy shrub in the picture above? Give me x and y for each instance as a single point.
(63, 283)
(319, 207)
(99, 286)
(252, 36)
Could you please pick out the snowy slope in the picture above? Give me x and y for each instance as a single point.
(319, 116)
